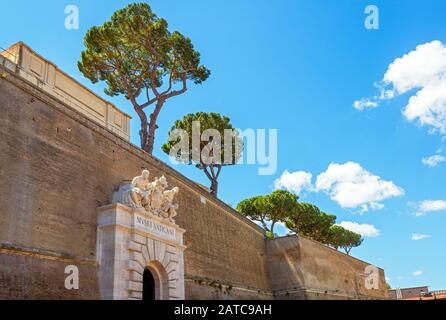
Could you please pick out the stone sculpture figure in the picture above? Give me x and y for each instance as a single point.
(169, 207)
(141, 189)
(153, 197)
(156, 197)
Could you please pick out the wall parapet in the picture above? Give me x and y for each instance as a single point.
(29, 65)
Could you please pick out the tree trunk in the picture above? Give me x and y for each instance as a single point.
(144, 131)
(213, 177)
(214, 187)
(264, 225)
(150, 141)
(347, 250)
(153, 126)
(273, 224)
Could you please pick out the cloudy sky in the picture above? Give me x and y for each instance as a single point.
(360, 114)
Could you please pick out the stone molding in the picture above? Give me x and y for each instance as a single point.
(7, 248)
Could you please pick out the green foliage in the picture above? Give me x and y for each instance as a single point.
(211, 155)
(271, 208)
(135, 53)
(135, 50)
(270, 235)
(309, 221)
(351, 240)
(346, 239)
(207, 121)
(336, 239)
(304, 219)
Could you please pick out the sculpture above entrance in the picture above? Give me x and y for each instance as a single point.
(153, 197)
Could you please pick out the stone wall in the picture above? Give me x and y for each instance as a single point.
(305, 269)
(57, 167)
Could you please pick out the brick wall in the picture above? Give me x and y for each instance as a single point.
(57, 167)
(305, 269)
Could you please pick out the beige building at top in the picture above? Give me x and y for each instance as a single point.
(47, 76)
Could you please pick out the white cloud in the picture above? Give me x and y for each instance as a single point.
(376, 206)
(417, 273)
(422, 70)
(373, 205)
(294, 181)
(428, 206)
(419, 68)
(363, 208)
(434, 160)
(419, 236)
(364, 104)
(351, 186)
(365, 230)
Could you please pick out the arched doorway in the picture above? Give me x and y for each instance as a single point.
(155, 282)
(149, 287)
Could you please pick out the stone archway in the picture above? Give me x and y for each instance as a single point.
(131, 241)
(162, 260)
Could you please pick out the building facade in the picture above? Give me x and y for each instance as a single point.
(417, 293)
(46, 75)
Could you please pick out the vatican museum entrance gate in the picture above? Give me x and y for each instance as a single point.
(140, 254)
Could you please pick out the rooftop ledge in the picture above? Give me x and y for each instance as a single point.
(31, 66)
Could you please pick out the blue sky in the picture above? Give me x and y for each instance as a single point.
(298, 66)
